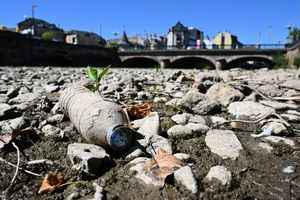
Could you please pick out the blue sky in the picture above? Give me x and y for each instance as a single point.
(245, 18)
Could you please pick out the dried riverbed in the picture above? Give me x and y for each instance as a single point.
(194, 109)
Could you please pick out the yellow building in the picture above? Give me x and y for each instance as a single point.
(226, 40)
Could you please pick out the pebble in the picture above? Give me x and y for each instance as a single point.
(223, 143)
(219, 173)
(181, 118)
(185, 176)
(89, 158)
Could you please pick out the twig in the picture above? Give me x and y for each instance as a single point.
(13, 165)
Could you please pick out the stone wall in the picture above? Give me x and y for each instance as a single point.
(17, 49)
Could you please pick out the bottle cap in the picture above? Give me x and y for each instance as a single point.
(119, 137)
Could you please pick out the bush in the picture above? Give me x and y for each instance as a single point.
(297, 61)
(280, 61)
(49, 35)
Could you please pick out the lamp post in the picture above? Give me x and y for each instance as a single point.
(33, 7)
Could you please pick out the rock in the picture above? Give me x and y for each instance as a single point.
(5, 110)
(249, 109)
(219, 173)
(191, 98)
(207, 107)
(223, 93)
(25, 98)
(3, 98)
(157, 142)
(265, 146)
(217, 120)
(139, 168)
(150, 125)
(277, 139)
(50, 130)
(198, 119)
(8, 126)
(185, 176)
(275, 128)
(179, 130)
(279, 106)
(182, 156)
(271, 90)
(89, 158)
(181, 118)
(187, 130)
(223, 143)
(197, 128)
(13, 92)
(160, 100)
(98, 192)
(134, 152)
(173, 102)
(293, 84)
(51, 88)
(291, 118)
(55, 118)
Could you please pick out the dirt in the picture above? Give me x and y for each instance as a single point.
(256, 173)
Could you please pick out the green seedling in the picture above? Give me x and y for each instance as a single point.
(157, 68)
(96, 75)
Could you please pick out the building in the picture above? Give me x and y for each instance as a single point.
(39, 27)
(226, 40)
(180, 36)
(84, 38)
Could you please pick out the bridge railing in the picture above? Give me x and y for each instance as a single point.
(207, 47)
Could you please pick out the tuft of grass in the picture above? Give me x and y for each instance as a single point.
(280, 61)
(297, 62)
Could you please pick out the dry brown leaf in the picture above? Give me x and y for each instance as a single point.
(163, 164)
(51, 182)
(139, 111)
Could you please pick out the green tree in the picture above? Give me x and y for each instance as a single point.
(293, 35)
(297, 61)
(280, 61)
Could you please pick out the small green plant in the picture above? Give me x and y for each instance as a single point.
(157, 68)
(297, 61)
(96, 75)
(280, 61)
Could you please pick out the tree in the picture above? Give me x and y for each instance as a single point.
(293, 35)
(280, 61)
(297, 61)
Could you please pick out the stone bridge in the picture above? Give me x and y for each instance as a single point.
(199, 58)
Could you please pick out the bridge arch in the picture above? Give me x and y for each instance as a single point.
(249, 62)
(140, 62)
(200, 62)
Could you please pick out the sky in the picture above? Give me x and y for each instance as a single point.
(253, 21)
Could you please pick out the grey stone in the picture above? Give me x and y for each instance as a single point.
(89, 158)
(219, 173)
(51, 88)
(277, 139)
(265, 146)
(160, 100)
(223, 93)
(249, 109)
(217, 120)
(181, 118)
(293, 84)
(182, 156)
(279, 105)
(3, 98)
(271, 90)
(159, 142)
(150, 125)
(185, 176)
(291, 118)
(13, 92)
(223, 143)
(187, 130)
(198, 119)
(55, 118)
(25, 98)
(8, 126)
(191, 98)
(275, 127)
(5, 110)
(207, 107)
(50, 130)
